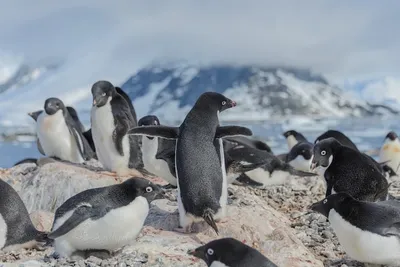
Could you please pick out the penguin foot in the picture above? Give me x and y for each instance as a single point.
(98, 253)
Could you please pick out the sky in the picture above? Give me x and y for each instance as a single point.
(343, 39)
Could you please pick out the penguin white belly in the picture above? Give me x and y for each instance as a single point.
(390, 151)
(117, 228)
(102, 121)
(301, 164)
(218, 264)
(264, 177)
(158, 167)
(365, 246)
(291, 141)
(3, 232)
(56, 139)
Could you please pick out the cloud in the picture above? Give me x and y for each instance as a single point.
(102, 39)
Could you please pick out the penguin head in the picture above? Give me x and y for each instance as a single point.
(225, 250)
(323, 153)
(35, 114)
(304, 150)
(145, 188)
(53, 105)
(102, 91)
(215, 101)
(149, 120)
(331, 202)
(391, 136)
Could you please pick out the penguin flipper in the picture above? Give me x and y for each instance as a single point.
(127, 99)
(80, 214)
(224, 131)
(39, 146)
(156, 131)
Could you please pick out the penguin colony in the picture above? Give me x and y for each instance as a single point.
(199, 158)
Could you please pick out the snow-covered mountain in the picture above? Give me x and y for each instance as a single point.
(170, 90)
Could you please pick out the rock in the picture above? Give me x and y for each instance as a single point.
(42, 220)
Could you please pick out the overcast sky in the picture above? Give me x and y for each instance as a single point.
(358, 39)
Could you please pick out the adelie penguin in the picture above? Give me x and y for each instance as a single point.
(299, 157)
(111, 118)
(233, 141)
(348, 170)
(59, 135)
(293, 137)
(390, 151)
(200, 162)
(101, 220)
(16, 228)
(229, 252)
(271, 171)
(368, 232)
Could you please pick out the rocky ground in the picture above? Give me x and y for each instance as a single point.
(274, 220)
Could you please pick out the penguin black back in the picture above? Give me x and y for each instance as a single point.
(350, 171)
(128, 99)
(341, 137)
(230, 252)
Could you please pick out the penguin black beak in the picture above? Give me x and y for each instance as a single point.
(161, 194)
(198, 252)
(319, 207)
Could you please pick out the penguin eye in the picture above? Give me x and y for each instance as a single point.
(210, 251)
(103, 94)
(223, 103)
(323, 153)
(325, 200)
(149, 189)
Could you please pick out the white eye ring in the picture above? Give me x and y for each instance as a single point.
(323, 152)
(210, 251)
(223, 103)
(149, 189)
(325, 200)
(103, 94)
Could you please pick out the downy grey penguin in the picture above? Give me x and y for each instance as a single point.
(199, 157)
(368, 232)
(390, 151)
(105, 218)
(229, 252)
(348, 170)
(59, 135)
(111, 118)
(16, 228)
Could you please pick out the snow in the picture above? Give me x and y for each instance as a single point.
(9, 65)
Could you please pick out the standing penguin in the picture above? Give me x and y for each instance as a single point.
(390, 151)
(271, 171)
(293, 137)
(199, 158)
(111, 118)
(348, 170)
(229, 252)
(341, 137)
(103, 219)
(368, 232)
(16, 228)
(59, 134)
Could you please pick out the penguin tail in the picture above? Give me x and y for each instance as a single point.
(208, 216)
(295, 172)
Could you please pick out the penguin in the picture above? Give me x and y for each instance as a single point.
(271, 171)
(129, 101)
(293, 137)
(111, 118)
(341, 137)
(59, 135)
(299, 157)
(390, 151)
(88, 135)
(229, 252)
(75, 117)
(16, 228)
(199, 157)
(158, 153)
(27, 160)
(105, 218)
(230, 142)
(348, 170)
(368, 232)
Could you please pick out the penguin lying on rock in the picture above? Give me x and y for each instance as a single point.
(368, 232)
(229, 252)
